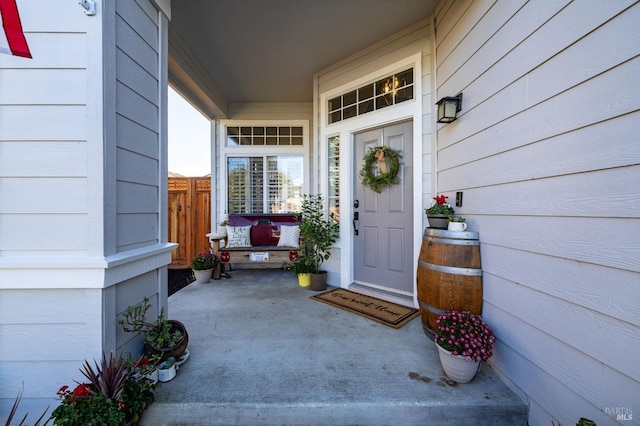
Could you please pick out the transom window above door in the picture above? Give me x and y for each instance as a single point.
(264, 135)
(383, 93)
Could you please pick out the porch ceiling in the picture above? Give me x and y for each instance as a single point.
(268, 50)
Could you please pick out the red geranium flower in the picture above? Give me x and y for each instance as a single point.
(82, 389)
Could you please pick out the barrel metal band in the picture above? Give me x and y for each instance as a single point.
(430, 308)
(454, 242)
(451, 269)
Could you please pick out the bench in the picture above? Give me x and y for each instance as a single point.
(264, 235)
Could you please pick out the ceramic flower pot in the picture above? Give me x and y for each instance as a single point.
(456, 367)
(166, 373)
(304, 280)
(203, 276)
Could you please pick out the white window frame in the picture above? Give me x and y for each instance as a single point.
(224, 152)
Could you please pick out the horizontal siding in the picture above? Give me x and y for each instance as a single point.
(43, 158)
(44, 232)
(546, 149)
(62, 195)
(137, 124)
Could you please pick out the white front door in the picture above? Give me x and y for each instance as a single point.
(383, 246)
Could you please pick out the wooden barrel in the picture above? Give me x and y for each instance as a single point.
(449, 275)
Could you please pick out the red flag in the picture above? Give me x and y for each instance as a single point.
(12, 40)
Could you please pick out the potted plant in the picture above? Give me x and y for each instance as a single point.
(167, 370)
(302, 267)
(318, 233)
(457, 223)
(203, 266)
(438, 214)
(463, 340)
(112, 395)
(166, 338)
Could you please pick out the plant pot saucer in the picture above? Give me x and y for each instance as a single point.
(184, 358)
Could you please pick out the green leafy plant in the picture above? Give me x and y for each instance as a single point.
(204, 261)
(386, 173)
(465, 334)
(113, 395)
(440, 206)
(225, 222)
(302, 265)
(317, 231)
(160, 334)
(457, 219)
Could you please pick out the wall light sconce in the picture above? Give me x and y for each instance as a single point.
(448, 108)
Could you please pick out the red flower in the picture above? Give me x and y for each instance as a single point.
(142, 362)
(441, 199)
(82, 390)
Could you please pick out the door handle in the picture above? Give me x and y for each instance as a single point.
(355, 223)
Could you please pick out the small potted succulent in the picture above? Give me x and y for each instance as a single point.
(463, 341)
(457, 223)
(438, 214)
(203, 266)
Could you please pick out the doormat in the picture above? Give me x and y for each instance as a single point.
(387, 313)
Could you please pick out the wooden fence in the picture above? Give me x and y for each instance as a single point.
(189, 218)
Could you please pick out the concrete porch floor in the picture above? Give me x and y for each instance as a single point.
(262, 352)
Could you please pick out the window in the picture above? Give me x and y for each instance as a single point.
(264, 135)
(388, 91)
(334, 176)
(264, 184)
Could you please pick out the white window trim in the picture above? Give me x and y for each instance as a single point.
(346, 129)
(225, 151)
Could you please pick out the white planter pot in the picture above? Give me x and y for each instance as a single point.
(166, 374)
(203, 275)
(456, 367)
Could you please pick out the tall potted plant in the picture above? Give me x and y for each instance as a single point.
(318, 233)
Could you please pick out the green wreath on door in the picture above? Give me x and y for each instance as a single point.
(380, 168)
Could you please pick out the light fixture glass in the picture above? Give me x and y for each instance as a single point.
(448, 108)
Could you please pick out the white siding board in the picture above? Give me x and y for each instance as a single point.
(36, 17)
(133, 167)
(33, 86)
(134, 46)
(36, 232)
(583, 150)
(38, 381)
(14, 337)
(61, 122)
(136, 138)
(549, 394)
(136, 198)
(602, 241)
(52, 159)
(589, 108)
(586, 331)
(548, 72)
(63, 195)
(135, 77)
(602, 386)
(589, 194)
(69, 51)
(604, 290)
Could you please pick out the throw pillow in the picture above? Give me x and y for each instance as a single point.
(239, 236)
(289, 236)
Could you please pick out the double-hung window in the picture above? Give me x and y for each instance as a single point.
(265, 169)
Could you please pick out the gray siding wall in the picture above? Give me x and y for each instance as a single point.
(547, 153)
(137, 61)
